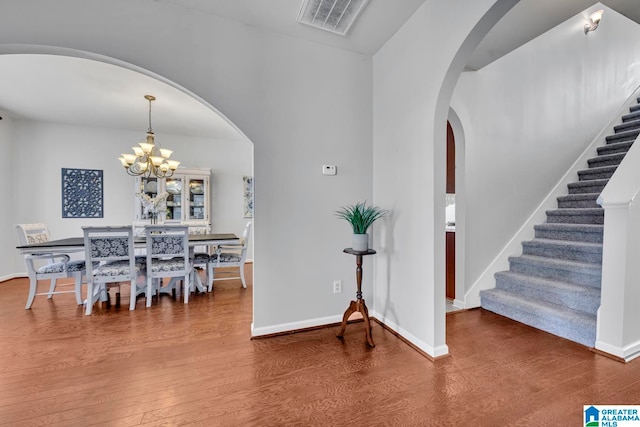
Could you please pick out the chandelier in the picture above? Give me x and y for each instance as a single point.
(148, 159)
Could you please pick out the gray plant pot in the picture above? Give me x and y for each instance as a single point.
(360, 242)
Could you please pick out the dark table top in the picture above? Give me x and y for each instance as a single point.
(79, 241)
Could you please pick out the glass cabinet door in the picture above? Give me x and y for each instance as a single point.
(148, 187)
(173, 186)
(197, 203)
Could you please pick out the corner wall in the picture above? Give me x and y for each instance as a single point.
(527, 117)
(7, 253)
(414, 77)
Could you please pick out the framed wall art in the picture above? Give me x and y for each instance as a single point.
(248, 196)
(82, 193)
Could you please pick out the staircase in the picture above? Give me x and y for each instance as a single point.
(555, 284)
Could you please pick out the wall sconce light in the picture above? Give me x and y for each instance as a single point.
(594, 20)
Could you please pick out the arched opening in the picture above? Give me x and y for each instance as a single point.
(79, 110)
(458, 135)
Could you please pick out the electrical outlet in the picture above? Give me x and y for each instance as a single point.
(337, 286)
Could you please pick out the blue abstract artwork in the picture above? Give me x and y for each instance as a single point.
(82, 193)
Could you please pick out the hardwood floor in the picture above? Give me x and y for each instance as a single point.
(195, 364)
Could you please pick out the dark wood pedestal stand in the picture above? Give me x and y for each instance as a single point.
(358, 304)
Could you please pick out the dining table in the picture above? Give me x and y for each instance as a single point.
(72, 245)
(76, 244)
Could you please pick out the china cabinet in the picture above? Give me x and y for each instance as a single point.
(187, 199)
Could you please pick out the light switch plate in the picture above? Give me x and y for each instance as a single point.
(329, 170)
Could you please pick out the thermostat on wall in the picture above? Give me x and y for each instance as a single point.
(329, 170)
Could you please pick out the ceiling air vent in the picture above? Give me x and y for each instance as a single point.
(335, 16)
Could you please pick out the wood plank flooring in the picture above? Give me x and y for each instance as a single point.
(195, 364)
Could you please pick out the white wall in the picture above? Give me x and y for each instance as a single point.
(37, 191)
(529, 115)
(300, 103)
(8, 233)
(414, 76)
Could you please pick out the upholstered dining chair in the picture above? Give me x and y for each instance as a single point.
(200, 258)
(233, 255)
(167, 257)
(112, 248)
(48, 266)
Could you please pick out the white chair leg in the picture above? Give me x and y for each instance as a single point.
(210, 276)
(52, 288)
(149, 293)
(33, 288)
(90, 299)
(134, 294)
(187, 286)
(244, 283)
(78, 287)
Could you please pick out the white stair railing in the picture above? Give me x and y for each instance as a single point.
(618, 332)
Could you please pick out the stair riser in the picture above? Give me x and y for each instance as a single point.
(598, 162)
(562, 253)
(596, 188)
(586, 300)
(571, 276)
(628, 126)
(631, 117)
(621, 137)
(575, 219)
(568, 204)
(589, 175)
(578, 332)
(570, 235)
(615, 148)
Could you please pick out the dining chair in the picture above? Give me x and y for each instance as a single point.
(200, 259)
(230, 255)
(167, 257)
(48, 266)
(112, 249)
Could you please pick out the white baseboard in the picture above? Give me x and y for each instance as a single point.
(434, 352)
(439, 351)
(13, 276)
(628, 353)
(294, 326)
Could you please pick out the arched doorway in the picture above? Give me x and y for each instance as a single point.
(92, 107)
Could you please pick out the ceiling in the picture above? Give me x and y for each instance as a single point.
(79, 91)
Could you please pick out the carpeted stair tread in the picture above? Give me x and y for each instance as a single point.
(555, 284)
(562, 249)
(590, 186)
(600, 172)
(585, 299)
(631, 124)
(631, 117)
(591, 233)
(561, 321)
(576, 215)
(606, 160)
(628, 135)
(583, 200)
(581, 273)
(617, 147)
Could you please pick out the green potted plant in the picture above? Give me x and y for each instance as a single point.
(360, 216)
